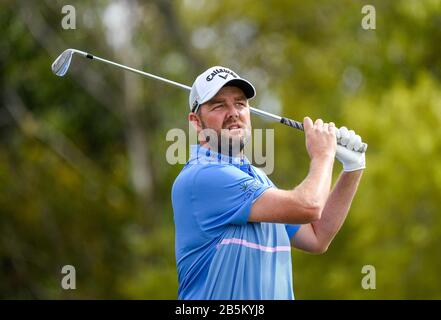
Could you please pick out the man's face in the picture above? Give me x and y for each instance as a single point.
(228, 114)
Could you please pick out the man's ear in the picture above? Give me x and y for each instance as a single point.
(195, 121)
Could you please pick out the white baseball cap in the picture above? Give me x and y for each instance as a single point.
(208, 84)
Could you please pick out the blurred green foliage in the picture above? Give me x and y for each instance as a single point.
(83, 175)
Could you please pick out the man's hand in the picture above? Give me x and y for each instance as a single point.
(320, 139)
(347, 150)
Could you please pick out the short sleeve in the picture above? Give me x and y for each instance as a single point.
(222, 195)
(291, 229)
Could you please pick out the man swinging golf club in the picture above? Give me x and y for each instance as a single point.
(234, 227)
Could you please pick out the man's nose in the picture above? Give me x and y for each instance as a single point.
(232, 110)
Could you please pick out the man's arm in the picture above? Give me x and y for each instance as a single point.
(304, 203)
(315, 237)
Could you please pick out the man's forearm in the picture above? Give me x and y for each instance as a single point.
(316, 186)
(337, 207)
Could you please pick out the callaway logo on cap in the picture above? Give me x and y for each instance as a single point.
(211, 81)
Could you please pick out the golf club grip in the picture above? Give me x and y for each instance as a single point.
(292, 123)
(298, 125)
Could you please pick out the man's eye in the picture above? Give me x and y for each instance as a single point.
(217, 107)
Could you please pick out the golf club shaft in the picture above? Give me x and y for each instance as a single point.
(183, 86)
(262, 113)
(286, 121)
(140, 72)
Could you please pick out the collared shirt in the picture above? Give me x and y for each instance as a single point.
(219, 254)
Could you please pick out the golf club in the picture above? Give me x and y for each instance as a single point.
(62, 63)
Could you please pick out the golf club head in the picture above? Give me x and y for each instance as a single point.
(62, 63)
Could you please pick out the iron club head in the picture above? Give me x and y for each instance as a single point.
(62, 63)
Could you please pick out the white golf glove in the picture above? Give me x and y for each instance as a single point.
(348, 144)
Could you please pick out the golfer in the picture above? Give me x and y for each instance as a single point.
(234, 227)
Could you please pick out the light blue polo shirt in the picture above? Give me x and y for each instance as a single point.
(219, 254)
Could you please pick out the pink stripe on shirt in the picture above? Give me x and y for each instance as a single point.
(253, 245)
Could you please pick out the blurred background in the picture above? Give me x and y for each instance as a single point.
(83, 176)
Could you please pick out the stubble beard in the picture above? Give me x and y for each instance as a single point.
(231, 146)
